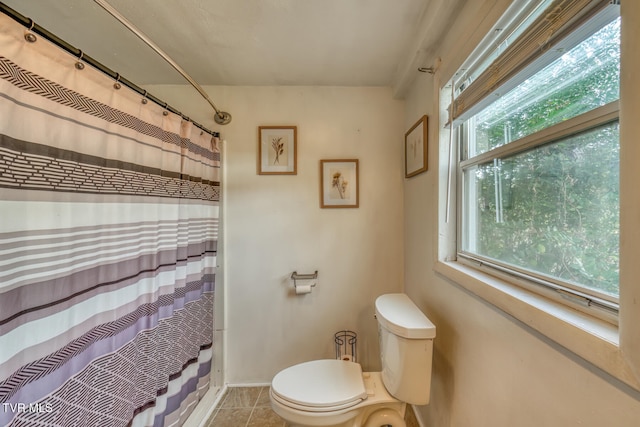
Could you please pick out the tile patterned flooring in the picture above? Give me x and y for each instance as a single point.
(245, 407)
(250, 407)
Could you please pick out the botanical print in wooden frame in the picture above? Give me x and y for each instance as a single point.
(415, 148)
(339, 186)
(277, 150)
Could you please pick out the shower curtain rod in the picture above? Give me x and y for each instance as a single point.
(37, 29)
(221, 117)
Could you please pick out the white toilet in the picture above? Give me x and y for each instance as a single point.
(337, 393)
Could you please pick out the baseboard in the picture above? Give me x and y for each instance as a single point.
(418, 416)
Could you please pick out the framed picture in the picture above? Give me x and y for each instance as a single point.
(339, 183)
(277, 150)
(415, 148)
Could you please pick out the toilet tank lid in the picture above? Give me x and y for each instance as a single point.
(400, 316)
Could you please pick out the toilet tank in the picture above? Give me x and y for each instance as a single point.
(406, 348)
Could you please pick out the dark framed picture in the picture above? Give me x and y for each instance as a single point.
(415, 148)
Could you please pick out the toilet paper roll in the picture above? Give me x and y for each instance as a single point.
(303, 289)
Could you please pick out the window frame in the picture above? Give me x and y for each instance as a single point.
(611, 350)
(572, 32)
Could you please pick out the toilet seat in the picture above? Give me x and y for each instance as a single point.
(320, 386)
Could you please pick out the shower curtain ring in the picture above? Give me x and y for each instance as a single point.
(144, 97)
(79, 63)
(28, 35)
(117, 84)
(166, 111)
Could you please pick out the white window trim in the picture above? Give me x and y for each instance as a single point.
(613, 349)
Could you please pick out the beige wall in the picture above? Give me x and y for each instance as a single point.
(274, 225)
(490, 369)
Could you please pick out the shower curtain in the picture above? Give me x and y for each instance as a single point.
(108, 238)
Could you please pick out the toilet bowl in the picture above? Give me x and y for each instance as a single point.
(337, 393)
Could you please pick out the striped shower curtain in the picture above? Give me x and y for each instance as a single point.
(108, 237)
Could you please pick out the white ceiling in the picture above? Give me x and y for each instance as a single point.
(255, 42)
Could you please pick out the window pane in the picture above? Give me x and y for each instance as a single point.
(584, 78)
(553, 210)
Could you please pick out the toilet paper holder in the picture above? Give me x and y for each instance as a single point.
(295, 277)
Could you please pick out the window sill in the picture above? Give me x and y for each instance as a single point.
(592, 339)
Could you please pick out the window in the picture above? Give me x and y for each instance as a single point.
(538, 185)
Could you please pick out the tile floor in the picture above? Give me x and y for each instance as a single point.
(250, 407)
(245, 407)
